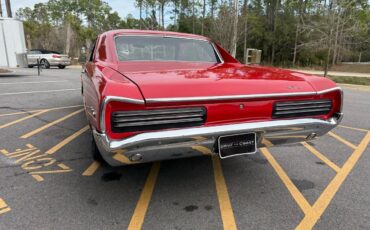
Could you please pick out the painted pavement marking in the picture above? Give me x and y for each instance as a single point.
(353, 128)
(202, 149)
(91, 169)
(319, 207)
(4, 207)
(37, 113)
(36, 110)
(27, 135)
(17, 113)
(296, 194)
(67, 140)
(138, 216)
(41, 91)
(29, 82)
(23, 119)
(341, 139)
(226, 209)
(323, 158)
(35, 163)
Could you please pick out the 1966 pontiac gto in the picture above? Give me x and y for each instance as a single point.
(155, 95)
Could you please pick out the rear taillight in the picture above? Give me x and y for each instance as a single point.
(56, 56)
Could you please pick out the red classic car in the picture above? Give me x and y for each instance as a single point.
(155, 95)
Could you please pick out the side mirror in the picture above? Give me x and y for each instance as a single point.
(253, 56)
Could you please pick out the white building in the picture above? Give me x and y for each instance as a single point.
(12, 43)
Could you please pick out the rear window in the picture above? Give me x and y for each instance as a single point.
(155, 48)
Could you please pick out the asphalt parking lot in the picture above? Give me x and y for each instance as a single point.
(48, 179)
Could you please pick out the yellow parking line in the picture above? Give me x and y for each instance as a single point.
(138, 216)
(327, 195)
(199, 138)
(321, 156)
(23, 118)
(353, 128)
(293, 136)
(226, 209)
(67, 140)
(4, 207)
(37, 110)
(202, 149)
(27, 135)
(122, 158)
(17, 113)
(91, 169)
(38, 178)
(296, 194)
(341, 139)
(266, 142)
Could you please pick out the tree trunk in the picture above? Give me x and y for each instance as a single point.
(335, 49)
(162, 13)
(339, 54)
(245, 9)
(193, 12)
(301, 12)
(141, 11)
(29, 44)
(328, 54)
(1, 9)
(295, 43)
(8, 8)
(203, 15)
(176, 9)
(235, 30)
(212, 10)
(68, 39)
(274, 31)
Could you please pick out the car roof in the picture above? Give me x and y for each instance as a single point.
(155, 33)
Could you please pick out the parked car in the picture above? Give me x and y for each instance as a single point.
(152, 96)
(47, 58)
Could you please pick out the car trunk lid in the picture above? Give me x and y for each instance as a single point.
(159, 81)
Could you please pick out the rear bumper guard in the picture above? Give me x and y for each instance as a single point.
(188, 142)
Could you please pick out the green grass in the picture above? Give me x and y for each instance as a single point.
(351, 80)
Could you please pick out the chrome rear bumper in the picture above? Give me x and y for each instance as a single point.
(188, 142)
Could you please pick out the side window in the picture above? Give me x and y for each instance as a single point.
(34, 52)
(101, 51)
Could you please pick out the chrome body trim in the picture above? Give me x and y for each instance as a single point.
(159, 35)
(329, 90)
(235, 97)
(166, 36)
(217, 53)
(212, 98)
(107, 99)
(180, 143)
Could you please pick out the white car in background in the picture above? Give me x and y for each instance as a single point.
(47, 58)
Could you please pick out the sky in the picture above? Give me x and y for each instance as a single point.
(123, 7)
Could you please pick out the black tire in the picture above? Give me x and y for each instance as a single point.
(95, 153)
(30, 66)
(44, 64)
(61, 66)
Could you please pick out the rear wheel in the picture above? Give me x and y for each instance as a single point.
(61, 66)
(95, 153)
(44, 64)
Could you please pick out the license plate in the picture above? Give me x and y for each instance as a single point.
(234, 145)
